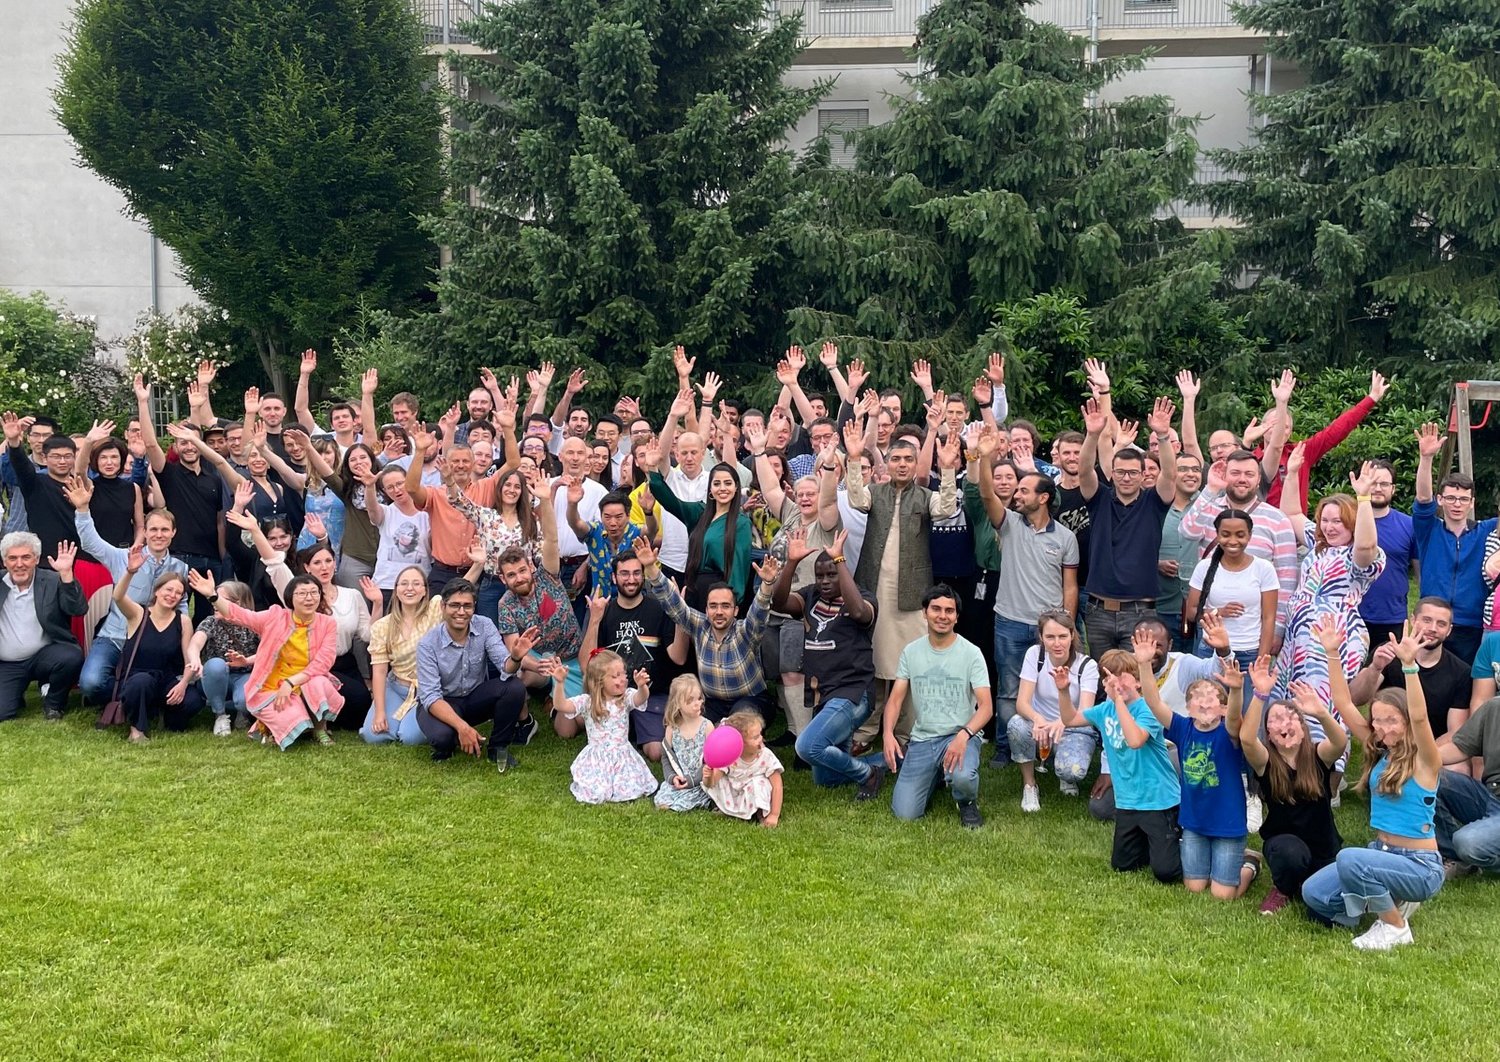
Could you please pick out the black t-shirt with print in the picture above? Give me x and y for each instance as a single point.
(641, 636)
(838, 655)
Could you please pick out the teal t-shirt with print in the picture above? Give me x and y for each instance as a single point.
(1144, 778)
(943, 682)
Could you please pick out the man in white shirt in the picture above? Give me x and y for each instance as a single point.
(572, 553)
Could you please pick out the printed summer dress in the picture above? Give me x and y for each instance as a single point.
(609, 768)
(745, 788)
(1331, 586)
(688, 755)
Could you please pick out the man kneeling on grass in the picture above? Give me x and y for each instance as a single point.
(1147, 791)
(455, 691)
(950, 691)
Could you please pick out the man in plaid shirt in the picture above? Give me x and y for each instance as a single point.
(728, 647)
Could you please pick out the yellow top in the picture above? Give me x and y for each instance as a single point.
(291, 659)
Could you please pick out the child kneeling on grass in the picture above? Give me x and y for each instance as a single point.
(750, 787)
(609, 769)
(1146, 788)
(682, 748)
(1211, 773)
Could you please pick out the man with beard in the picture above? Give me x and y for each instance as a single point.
(1445, 680)
(1072, 510)
(1235, 483)
(1175, 562)
(638, 628)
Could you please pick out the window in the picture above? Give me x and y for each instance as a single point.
(834, 122)
(163, 407)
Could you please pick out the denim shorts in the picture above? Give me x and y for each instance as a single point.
(1216, 858)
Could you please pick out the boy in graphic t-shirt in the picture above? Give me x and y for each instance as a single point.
(1147, 790)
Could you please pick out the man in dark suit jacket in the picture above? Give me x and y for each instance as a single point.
(36, 636)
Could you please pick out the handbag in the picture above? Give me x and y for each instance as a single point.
(114, 710)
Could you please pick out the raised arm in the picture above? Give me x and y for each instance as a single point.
(1263, 680)
(1429, 445)
(132, 612)
(993, 506)
(1094, 420)
(787, 372)
(1429, 759)
(829, 356)
(1144, 647)
(577, 381)
(1293, 496)
(154, 455)
(854, 480)
(546, 517)
(294, 480)
(301, 406)
(1188, 387)
(186, 436)
(1366, 541)
(1330, 640)
(369, 383)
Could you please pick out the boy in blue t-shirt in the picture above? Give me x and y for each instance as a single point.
(1146, 788)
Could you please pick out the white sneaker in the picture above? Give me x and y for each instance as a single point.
(222, 726)
(1067, 788)
(1255, 814)
(1382, 936)
(1030, 798)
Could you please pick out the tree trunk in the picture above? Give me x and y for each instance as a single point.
(269, 350)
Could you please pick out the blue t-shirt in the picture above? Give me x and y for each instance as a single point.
(1124, 541)
(1144, 778)
(1213, 784)
(1487, 659)
(1385, 601)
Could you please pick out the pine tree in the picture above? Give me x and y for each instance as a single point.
(997, 178)
(284, 149)
(631, 190)
(1370, 199)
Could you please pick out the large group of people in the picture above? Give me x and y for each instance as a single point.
(898, 587)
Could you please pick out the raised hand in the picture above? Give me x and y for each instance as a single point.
(1215, 635)
(1144, 648)
(1187, 386)
(197, 395)
(1429, 440)
(1379, 385)
(135, 558)
(769, 569)
(13, 429)
(142, 391)
(101, 431)
(950, 452)
(1263, 675)
(1062, 677)
(709, 388)
(422, 439)
(1297, 458)
(785, 374)
(525, 642)
(645, 551)
(854, 440)
(682, 363)
(575, 490)
(1093, 417)
(79, 490)
(1282, 388)
(313, 524)
(994, 369)
(642, 679)
(577, 381)
(242, 520)
(1381, 658)
(682, 405)
(546, 374)
(1307, 699)
(983, 391)
(1216, 479)
(1408, 647)
(648, 456)
(252, 402)
(1162, 412)
(856, 375)
(477, 553)
(840, 541)
(201, 582)
(208, 372)
(828, 354)
(796, 358)
(1232, 677)
(487, 379)
(183, 434)
(755, 438)
(797, 549)
(1129, 431)
(598, 605)
(244, 494)
(989, 440)
(935, 410)
(1098, 376)
(921, 375)
(369, 383)
(62, 563)
(309, 363)
(371, 590)
(1360, 482)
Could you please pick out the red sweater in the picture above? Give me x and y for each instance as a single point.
(1318, 445)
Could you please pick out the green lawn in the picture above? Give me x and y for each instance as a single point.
(210, 898)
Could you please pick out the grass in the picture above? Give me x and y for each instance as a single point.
(210, 898)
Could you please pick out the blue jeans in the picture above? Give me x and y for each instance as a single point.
(1012, 639)
(824, 743)
(220, 685)
(1113, 629)
(1468, 821)
(405, 730)
(97, 679)
(1372, 880)
(1071, 757)
(1216, 859)
(491, 590)
(922, 770)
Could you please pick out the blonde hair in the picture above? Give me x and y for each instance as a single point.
(593, 682)
(1119, 662)
(1401, 760)
(745, 722)
(1216, 686)
(238, 593)
(682, 689)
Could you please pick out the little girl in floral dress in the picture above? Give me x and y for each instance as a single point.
(682, 748)
(609, 768)
(750, 787)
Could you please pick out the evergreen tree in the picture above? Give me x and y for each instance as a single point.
(631, 190)
(284, 149)
(1370, 199)
(999, 177)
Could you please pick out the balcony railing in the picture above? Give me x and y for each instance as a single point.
(898, 18)
(442, 18)
(1188, 208)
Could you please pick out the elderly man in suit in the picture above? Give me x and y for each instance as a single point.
(36, 611)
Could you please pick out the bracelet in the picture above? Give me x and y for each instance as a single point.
(966, 730)
(837, 558)
(1362, 499)
(1410, 670)
(1105, 391)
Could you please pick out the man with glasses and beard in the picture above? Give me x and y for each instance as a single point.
(1450, 544)
(638, 628)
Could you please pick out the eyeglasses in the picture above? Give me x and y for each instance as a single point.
(1455, 499)
(460, 606)
(1384, 484)
(1127, 473)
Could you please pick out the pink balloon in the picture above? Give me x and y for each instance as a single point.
(723, 747)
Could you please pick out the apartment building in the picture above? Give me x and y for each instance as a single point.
(64, 232)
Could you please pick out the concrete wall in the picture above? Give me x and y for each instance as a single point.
(62, 229)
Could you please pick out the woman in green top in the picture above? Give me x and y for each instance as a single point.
(714, 554)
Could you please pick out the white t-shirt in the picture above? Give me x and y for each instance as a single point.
(1245, 587)
(1083, 677)
(404, 541)
(674, 533)
(588, 511)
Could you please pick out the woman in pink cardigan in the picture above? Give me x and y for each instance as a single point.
(289, 690)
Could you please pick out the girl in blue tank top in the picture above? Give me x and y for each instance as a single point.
(1401, 867)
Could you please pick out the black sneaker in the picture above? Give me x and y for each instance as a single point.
(1001, 758)
(969, 817)
(526, 729)
(52, 715)
(869, 789)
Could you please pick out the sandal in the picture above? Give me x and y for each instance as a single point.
(322, 737)
(1253, 860)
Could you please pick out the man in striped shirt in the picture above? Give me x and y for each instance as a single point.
(728, 647)
(1235, 483)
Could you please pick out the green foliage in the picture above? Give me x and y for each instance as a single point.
(52, 363)
(632, 191)
(167, 348)
(994, 180)
(282, 148)
(1370, 200)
